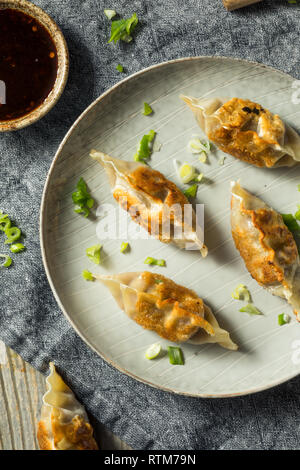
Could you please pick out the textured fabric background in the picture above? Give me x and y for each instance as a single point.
(30, 321)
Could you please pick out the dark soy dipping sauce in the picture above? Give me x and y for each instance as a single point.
(28, 63)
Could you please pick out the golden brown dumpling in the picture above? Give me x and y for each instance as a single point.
(153, 202)
(174, 312)
(64, 424)
(266, 245)
(247, 131)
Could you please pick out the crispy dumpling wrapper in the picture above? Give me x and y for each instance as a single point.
(266, 245)
(64, 424)
(247, 131)
(153, 202)
(174, 312)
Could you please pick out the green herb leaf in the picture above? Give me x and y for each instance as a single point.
(145, 147)
(191, 191)
(120, 68)
(155, 262)
(283, 319)
(93, 253)
(147, 109)
(175, 356)
(250, 309)
(87, 275)
(290, 222)
(123, 29)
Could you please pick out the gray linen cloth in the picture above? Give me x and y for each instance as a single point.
(30, 320)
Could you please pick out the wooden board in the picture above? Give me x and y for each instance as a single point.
(21, 391)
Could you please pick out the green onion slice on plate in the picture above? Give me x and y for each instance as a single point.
(153, 351)
(175, 356)
(6, 261)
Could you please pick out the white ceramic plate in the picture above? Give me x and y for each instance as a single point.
(268, 354)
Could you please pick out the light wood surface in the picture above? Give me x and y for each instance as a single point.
(21, 391)
(235, 4)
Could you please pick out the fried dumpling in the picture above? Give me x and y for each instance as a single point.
(153, 202)
(174, 312)
(266, 245)
(247, 131)
(64, 424)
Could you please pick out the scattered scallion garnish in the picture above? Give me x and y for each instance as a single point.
(153, 351)
(187, 173)
(290, 222)
(196, 146)
(191, 191)
(297, 215)
(123, 29)
(5, 222)
(199, 178)
(87, 275)
(120, 68)
(6, 261)
(175, 356)
(13, 234)
(82, 199)
(251, 310)
(158, 281)
(93, 253)
(124, 247)
(283, 319)
(110, 13)
(222, 161)
(145, 147)
(17, 247)
(147, 109)
(155, 262)
(241, 293)
(203, 157)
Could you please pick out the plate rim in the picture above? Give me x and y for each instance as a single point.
(42, 229)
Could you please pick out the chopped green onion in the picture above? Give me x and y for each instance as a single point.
(120, 68)
(175, 356)
(93, 253)
(158, 281)
(222, 161)
(199, 178)
(191, 191)
(147, 109)
(82, 199)
(124, 247)
(5, 223)
(17, 247)
(187, 173)
(297, 215)
(145, 147)
(196, 146)
(250, 309)
(110, 13)
(290, 222)
(87, 275)
(13, 234)
(123, 29)
(153, 351)
(203, 157)
(241, 293)
(7, 261)
(298, 187)
(283, 319)
(155, 262)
